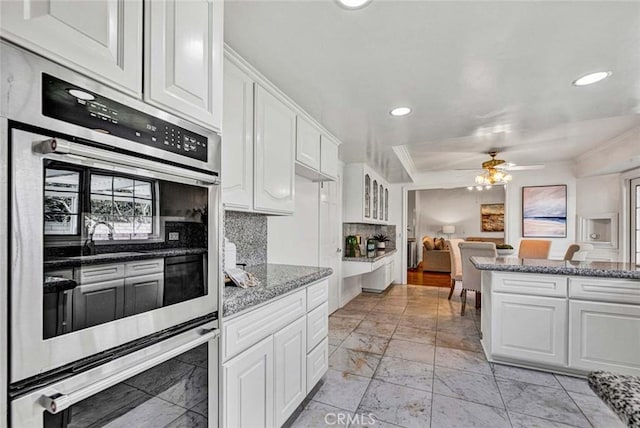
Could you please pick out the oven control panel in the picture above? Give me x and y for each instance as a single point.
(67, 102)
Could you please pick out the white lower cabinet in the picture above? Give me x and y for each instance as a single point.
(247, 400)
(290, 345)
(529, 328)
(317, 363)
(604, 336)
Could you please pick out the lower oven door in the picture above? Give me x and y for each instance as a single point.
(173, 383)
(90, 232)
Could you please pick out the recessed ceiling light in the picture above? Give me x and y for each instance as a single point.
(353, 4)
(400, 111)
(591, 78)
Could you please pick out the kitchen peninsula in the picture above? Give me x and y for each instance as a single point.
(561, 316)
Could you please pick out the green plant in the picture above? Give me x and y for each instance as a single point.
(381, 237)
(504, 247)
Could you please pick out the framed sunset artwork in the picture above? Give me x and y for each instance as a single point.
(544, 211)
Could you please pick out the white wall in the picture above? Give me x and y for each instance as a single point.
(294, 239)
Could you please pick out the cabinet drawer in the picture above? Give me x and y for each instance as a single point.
(317, 325)
(242, 332)
(317, 363)
(605, 290)
(531, 284)
(98, 273)
(317, 294)
(144, 267)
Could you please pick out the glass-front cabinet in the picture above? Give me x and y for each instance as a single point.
(381, 216)
(375, 199)
(367, 196)
(386, 204)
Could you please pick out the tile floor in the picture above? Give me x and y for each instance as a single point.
(407, 358)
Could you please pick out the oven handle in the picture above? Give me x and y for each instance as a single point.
(63, 147)
(59, 402)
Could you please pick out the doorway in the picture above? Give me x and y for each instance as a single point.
(330, 234)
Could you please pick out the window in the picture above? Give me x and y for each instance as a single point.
(61, 201)
(120, 207)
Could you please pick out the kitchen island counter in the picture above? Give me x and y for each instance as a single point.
(118, 257)
(275, 280)
(370, 259)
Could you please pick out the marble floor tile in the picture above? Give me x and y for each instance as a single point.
(468, 386)
(469, 341)
(414, 351)
(405, 373)
(415, 335)
(202, 407)
(423, 322)
(455, 324)
(160, 377)
(519, 420)
(342, 390)
(341, 323)
(462, 360)
(350, 313)
(421, 311)
(397, 404)
(189, 420)
(447, 412)
(541, 401)
(365, 343)
(375, 328)
(383, 318)
(389, 309)
(361, 305)
(190, 390)
(525, 375)
(575, 384)
(117, 400)
(332, 348)
(152, 413)
(317, 414)
(198, 356)
(368, 420)
(596, 411)
(335, 340)
(354, 362)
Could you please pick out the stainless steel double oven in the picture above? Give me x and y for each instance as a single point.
(110, 243)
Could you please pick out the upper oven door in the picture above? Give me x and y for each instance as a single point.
(106, 248)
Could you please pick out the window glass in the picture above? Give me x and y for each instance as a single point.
(61, 202)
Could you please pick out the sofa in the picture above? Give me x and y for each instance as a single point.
(435, 255)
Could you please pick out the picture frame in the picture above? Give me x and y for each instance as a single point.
(492, 217)
(544, 211)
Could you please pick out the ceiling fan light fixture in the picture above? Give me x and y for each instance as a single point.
(591, 78)
(353, 4)
(400, 111)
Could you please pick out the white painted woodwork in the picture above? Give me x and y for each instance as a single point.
(307, 143)
(237, 143)
(248, 397)
(330, 236)
(605, 290)
(531, 284)
(144, 267)
(328, 157)
(604, 336)
(290, 369)
(317, 363)
(317, 294)
(317, 325)
(352, 268)
(530, 328)
(101, 39)
(183, 63)
(275, 130)
(143, 293)
(240, 332)
(354, 197)
(88, 274)
(98, 303)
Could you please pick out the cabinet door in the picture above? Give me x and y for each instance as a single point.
(290, 345)
(97, 303)
(386, 204)
(101, 39)
(328, 157)
(275, 133)
(183, 61)
(143, 293)
(604, 336)
(247, 399)
(237, 144)
(307, 144)
(529, 328)
(367, 196)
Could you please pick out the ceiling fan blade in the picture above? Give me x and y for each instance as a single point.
(522, 167)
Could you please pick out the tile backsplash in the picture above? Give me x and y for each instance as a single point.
(249, 232)
(368, 230)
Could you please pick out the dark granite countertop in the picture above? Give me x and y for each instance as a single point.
(54, 284)
(559, 267)
(125, 256)
(370, 259)
(275, 280)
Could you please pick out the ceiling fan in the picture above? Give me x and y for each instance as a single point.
(495, 171)
(494, 163)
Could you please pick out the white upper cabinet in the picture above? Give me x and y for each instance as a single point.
(237, 144)
(328, 157)
(365, 195)
(183, 64)
(307, 143)
(275, 139)
(100, 38)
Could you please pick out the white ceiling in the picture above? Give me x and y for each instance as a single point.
(466, 68)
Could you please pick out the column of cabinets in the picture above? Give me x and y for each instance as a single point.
(366, 195)
(316, 154)
(182, 59)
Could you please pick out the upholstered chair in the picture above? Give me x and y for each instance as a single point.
(456, 262)
(534, 249)
(471, 277)
(578, 252)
